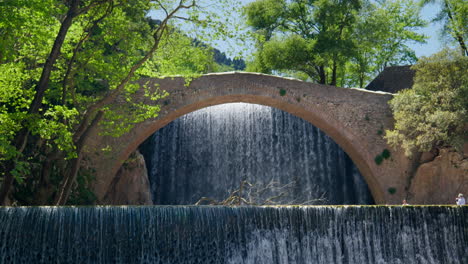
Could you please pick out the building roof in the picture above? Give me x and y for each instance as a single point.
(393, 79)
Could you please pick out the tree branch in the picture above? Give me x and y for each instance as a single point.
(67, 183)
(78, 46)
(111, 97)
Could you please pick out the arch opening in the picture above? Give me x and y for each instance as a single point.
(208, 152)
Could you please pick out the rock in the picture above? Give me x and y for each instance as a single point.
(439, 181)
(429, 156)
(130, 185)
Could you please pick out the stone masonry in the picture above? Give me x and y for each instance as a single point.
(354, 118)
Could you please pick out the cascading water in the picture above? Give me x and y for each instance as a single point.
(208, 153)
(250, 235)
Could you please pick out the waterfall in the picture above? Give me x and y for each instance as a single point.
(207, 153)
(256, 235)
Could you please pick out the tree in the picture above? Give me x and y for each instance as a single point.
(65, 61)
(333, 41)
(381, 34)
(307, 36)
(454, 15)
(434, 112)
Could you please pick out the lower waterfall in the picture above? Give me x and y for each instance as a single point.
(253, 235)
(207, 153)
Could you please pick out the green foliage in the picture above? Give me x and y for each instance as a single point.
(382, 156)
(392, 190)
(282, 92)
(82, 193)
(380, 132)
(381, 35)
(385, 154)
(179, 56)
(289, 53)
(333, 42)
(21, 170)
(378, 159)
(434, 113)
(305, 36)
(454, 16)
(107, 47)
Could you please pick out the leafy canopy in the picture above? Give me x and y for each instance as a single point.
(382, 34)
(52, 95)
(338, 42)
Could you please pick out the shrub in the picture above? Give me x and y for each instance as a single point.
(378, 159)
(385, 154)
(391, 190)
(433, 113)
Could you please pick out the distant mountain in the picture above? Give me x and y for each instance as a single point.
(221, 58)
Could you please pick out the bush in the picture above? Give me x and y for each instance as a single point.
(378, 159)
(385, 154)
(433, 113)
(391, 190)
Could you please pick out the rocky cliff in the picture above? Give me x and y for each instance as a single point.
(439, 178)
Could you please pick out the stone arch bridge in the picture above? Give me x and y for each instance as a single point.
(353, 118)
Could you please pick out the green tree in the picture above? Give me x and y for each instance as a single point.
(381, 35)
(306, 36)
(454, 15)
(434, 112)
(333, 41)
(63, 62)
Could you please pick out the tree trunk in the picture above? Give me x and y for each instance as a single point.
(458, 35)
(22, 136)
(65, 189)
(67, 183)
(361, 80)
(44, 190)
(322, 75)
(48, 67)
(334, 69)
(7, 181)
(82, 132)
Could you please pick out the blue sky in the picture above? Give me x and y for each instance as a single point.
(433, 44)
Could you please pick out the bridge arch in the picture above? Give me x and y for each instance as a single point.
(351, 117)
